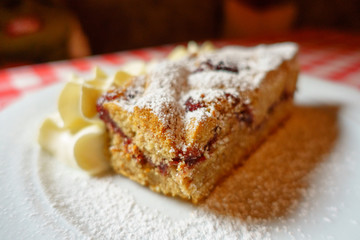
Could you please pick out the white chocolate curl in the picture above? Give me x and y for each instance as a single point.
(75, 135)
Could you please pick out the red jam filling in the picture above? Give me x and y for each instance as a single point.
(105, 116)
(246, 115)
(191, 105)
(209, 66)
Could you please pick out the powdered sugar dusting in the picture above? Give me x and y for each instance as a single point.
(206, 78)
(225, 80)
(252, 63)
(208, 95)
(100, 208)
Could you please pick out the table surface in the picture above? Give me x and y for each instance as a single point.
(334, 56)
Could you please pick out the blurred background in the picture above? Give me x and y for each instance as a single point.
(34, 31)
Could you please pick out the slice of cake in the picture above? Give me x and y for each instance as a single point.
(186, 124)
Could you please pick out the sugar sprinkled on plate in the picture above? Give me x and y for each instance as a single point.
(259, 200)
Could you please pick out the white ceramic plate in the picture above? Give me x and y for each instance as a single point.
(42, 199)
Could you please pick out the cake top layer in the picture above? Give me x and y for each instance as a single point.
(185, 92)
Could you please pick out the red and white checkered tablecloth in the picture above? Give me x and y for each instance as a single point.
(334, 56)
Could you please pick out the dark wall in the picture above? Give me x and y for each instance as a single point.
(117, 25)
(336, 14)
